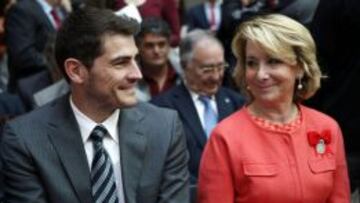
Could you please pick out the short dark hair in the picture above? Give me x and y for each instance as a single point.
(154, 25)
(82, 33)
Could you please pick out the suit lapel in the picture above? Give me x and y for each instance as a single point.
(66, 138)
(224, 104)
(203, 17)
(42, 15)
(132, 149)
(186, 107)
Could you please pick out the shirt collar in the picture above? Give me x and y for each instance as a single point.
(45, 6)
(86, 125)
(195, 96)
(170, 81)
(217, 3)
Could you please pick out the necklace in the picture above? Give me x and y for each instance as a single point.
(275, 116)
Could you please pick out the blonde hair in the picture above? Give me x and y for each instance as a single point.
(282, 38)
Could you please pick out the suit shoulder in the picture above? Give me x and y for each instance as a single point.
(23, 5)
(230, 92)
(34, 117)
(153, 110)
(233, 95)
(155, 119)
(164, 98)
(27, 10)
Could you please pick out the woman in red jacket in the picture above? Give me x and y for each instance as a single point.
(275, 149)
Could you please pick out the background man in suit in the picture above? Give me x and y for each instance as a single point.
(96, 144)
(336, 31)
(202, 58)
(27, 27)
(206, 16)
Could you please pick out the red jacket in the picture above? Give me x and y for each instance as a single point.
(246, 163)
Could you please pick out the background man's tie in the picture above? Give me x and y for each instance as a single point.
(56, 18)
(212, 21)
(102, 174)
(210, 117)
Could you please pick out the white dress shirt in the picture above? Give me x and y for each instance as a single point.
(110, 143)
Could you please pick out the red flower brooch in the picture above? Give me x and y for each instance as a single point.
(320, 141)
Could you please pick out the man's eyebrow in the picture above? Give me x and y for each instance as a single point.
(120, 59)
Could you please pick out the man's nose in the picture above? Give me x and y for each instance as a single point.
(135, 71)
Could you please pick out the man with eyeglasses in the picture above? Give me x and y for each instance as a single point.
(201, 101)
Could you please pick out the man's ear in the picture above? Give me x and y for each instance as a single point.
(75, 70)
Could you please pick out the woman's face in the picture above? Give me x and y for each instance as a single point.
(270, 80)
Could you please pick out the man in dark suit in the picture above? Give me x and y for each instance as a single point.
(336, 31)
(202, 58)
(96, 144)
(27, 27)
(206, 16)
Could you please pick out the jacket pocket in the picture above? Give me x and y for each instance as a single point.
(259, 169)
(322, 165)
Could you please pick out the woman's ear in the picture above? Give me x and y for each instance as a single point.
(75, 70)
(300, 75)
(300, 72)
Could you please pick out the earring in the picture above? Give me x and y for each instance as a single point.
(300, 85)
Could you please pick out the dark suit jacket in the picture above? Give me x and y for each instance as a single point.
(179, 98)
(44, 158)
(336, 30)
(28, 86)
(26, 35)
(10, 106)
(196, 18)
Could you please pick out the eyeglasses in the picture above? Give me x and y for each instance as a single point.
(212, 67)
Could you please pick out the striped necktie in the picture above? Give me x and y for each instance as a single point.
(210, 117)
(102, 174)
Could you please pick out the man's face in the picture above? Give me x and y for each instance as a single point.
(154, 50)
(204, 73)
(110, 82)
